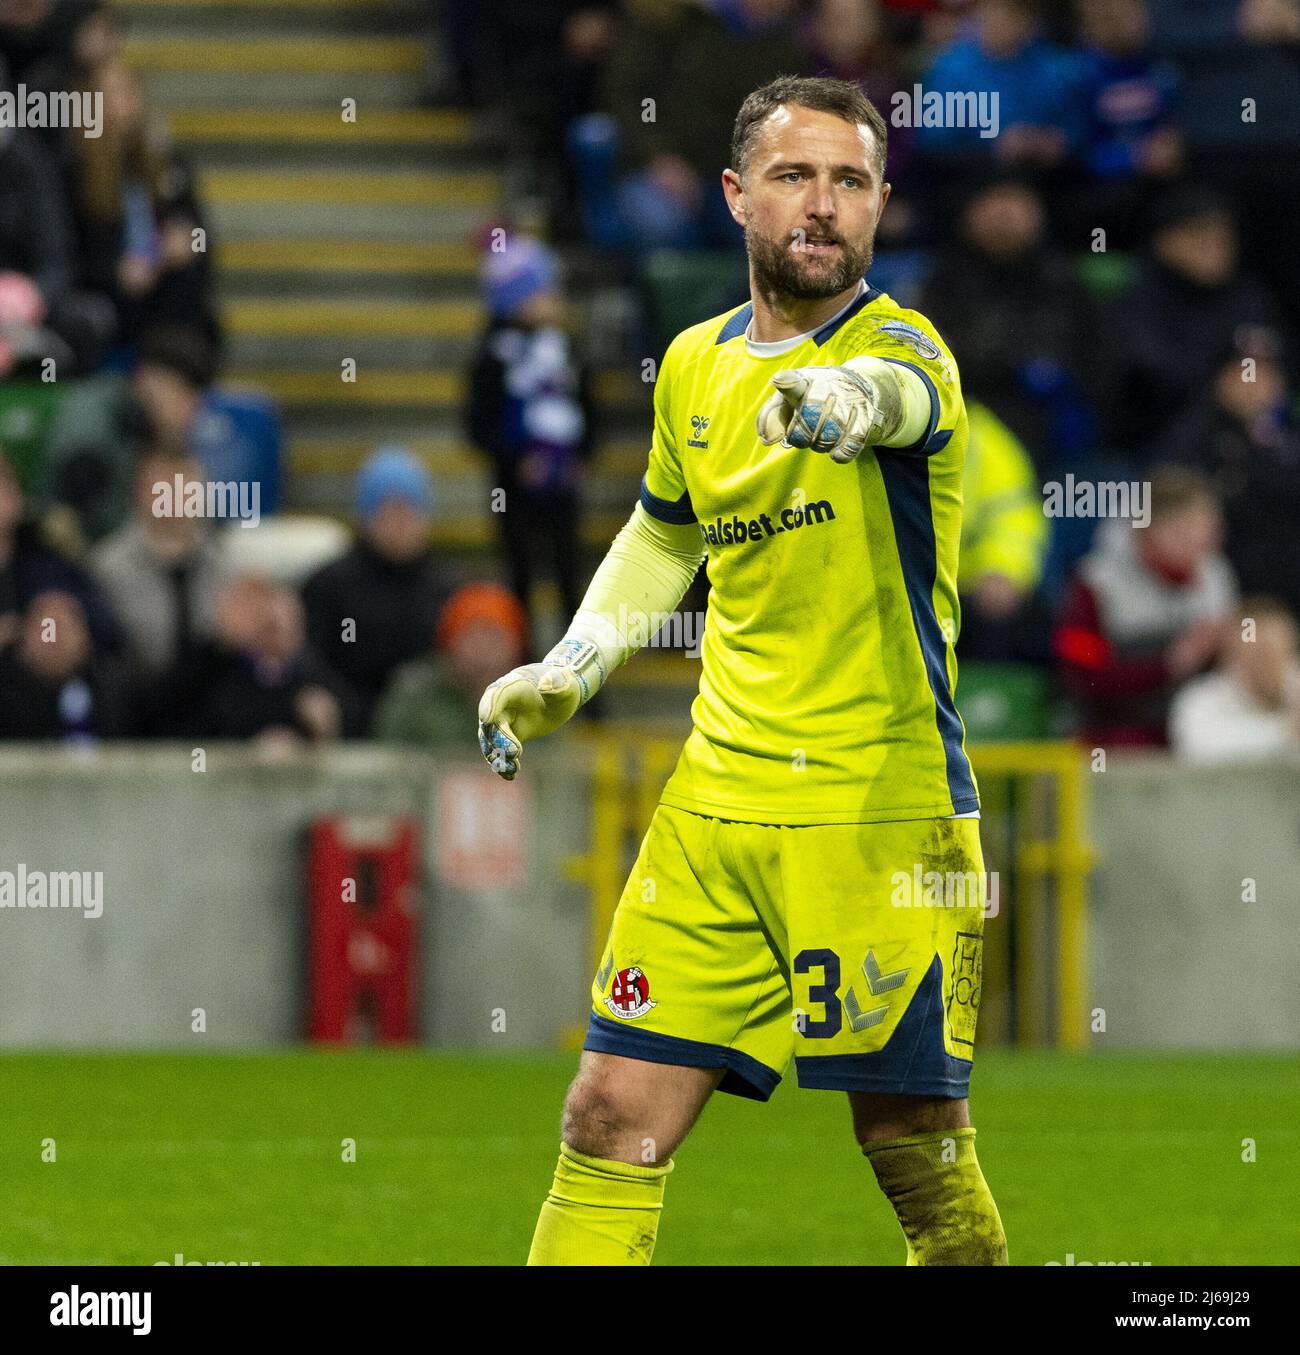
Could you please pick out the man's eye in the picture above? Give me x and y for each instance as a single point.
(851, 181)
(792, 174)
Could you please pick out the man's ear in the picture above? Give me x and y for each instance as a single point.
(733, 190)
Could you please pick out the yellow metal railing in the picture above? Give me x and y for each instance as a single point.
(1038, 840)
(1055, 852)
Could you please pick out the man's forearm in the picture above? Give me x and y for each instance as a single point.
(901, 396)
(641, 580)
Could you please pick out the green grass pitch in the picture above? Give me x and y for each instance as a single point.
(239, 1158)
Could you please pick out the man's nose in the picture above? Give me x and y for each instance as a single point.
(820, 203)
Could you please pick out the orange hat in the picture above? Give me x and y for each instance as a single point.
(482, 602)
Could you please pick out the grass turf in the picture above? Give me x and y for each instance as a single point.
(240, 1158)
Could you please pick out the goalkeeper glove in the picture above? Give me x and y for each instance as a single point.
(839, 410)
(535, 700)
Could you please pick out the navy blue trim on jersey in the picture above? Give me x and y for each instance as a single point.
(737, 325)
(914, 1062)
(833, 327)
(907, 488)
(739, 322)
(744, 1075)
(930, 441)
(679, 513)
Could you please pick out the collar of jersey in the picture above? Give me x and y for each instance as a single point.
(741, 321)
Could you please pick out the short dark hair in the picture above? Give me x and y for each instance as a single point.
(182, 349)
(1175, 488)
(820, 93)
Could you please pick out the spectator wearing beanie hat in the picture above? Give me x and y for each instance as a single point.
(529, 409)
(432, 701)
(393, 474)
(513, 276)
(372, 609)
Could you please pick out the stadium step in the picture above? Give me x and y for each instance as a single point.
(376, 72)
(289, 189)
(370, 349)
(364, 222)
(371, 257)
(302, 318)
(361, 270)
(247, 128)
(351, 239)
(278, 55)
(285, 139)
(178, 87)
(200, 19)
(322, 468)
(410, 207)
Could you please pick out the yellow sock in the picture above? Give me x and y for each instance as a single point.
(941, 1198)
(599, 1213)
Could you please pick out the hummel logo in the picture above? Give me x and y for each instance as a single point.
(878, 984)
(699, 423)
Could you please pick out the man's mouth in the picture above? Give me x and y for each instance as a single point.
(819, 247)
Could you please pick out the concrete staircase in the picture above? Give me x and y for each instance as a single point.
(338, 240)
(349, 239)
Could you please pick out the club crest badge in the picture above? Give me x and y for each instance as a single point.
(630, 995)
(916, 339)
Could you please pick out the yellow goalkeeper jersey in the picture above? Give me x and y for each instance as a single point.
(826, 694)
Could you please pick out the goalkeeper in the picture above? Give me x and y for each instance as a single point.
(811, 444)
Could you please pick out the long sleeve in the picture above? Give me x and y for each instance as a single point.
(638, 585)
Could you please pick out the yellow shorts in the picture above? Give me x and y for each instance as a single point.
(854, 947)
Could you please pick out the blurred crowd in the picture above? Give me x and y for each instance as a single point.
(1113, 270)
(110, 346)
(163, 632)
(98, 242)
(122, 616)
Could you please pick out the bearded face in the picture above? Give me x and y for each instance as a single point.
(808, 263)
(811, 194)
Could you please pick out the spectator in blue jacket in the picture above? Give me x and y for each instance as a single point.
(1039, 86)
(1132, 98)
(1132, 94)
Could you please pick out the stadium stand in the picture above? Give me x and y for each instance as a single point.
(354, 162)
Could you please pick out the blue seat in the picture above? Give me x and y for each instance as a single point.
(237, 437)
